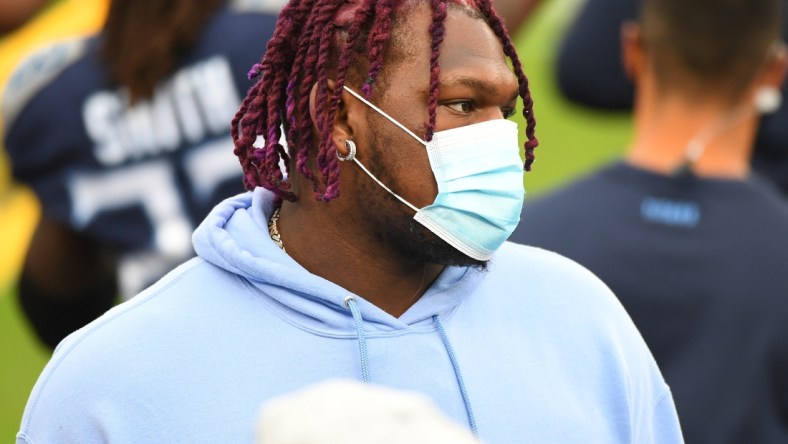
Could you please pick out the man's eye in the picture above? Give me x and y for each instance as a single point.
(464, 106)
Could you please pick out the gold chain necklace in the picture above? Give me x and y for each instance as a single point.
(273, 230)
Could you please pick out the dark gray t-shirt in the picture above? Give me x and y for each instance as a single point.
(702, 268)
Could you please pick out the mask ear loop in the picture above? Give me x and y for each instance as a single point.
(383, 113)
(382, 185)
(697, 145)
(352, 148)
(351, 155)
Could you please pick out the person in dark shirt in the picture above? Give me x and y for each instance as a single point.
(589, 73)
(692, 243)
(124, 138)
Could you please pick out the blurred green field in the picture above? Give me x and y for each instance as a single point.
(22, 361)
(573, 141)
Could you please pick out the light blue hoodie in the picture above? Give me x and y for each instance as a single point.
(545, 352)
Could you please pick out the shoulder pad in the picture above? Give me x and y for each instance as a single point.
(36, 72)
(259, 6)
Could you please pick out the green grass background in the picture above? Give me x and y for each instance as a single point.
(573, 140)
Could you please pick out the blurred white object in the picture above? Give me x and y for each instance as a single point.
(350, 412)
(768, 99)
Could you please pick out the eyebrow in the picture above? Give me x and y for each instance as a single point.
(481, 85)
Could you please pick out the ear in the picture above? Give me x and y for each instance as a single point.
(346, 120)
(775, 68)
(632, 50)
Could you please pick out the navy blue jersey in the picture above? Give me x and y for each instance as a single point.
(701, 266)
(589, 72)
(137, 178)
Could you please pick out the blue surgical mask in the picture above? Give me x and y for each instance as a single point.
(480, 184)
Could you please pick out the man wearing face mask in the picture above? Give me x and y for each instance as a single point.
(379, 255)
(694, 246)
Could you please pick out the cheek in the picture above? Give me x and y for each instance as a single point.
(420, 182)
(404, 167)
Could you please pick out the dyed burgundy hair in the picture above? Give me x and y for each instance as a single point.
(307, 35)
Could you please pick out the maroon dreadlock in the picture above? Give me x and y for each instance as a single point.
(309, 33)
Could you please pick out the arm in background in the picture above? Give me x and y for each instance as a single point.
(67, 281)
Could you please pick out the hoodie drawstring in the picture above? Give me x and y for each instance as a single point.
(350, 302)
(457, 374)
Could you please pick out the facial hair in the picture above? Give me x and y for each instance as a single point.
(393, 221)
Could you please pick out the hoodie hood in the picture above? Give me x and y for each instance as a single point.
(235, 237)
